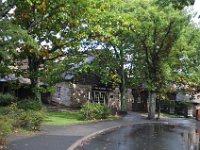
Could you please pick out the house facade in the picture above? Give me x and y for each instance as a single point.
(75, 94)
(180, 101)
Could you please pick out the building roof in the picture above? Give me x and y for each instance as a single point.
(12, 77)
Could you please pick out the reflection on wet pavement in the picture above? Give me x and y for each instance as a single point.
(146, 137)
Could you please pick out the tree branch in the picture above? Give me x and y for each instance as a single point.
(165, 36)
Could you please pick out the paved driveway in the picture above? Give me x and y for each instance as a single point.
(62, 137)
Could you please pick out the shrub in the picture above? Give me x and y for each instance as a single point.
(14, 115)
(28, 119)
(5, 130)
(91, 111)
(29, 104)
(31, 120)
(6, 99)
(4, 110)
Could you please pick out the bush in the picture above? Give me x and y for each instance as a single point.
(28, 119)
(91, 111)
(6, 99)
(5, 130)
(14, 115)
(29, 104)
(4, 110)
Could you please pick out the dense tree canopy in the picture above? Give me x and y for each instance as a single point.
(141, 37)
(184, 65)
(147, 42)
(157, 30)
(56, 27)
(12, 37)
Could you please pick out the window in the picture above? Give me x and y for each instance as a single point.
(87, 95)
(58, 92)
(99, 97)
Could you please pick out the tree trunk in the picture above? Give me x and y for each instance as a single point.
(151, 104)
(123, 98)
(123, 90)
(159, 109)
(33, 71)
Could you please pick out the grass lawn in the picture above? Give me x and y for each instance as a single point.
(62, 118)
(165, 115)
(67, 118)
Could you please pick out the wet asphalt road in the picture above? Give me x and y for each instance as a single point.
(61, 138)
(146, 137)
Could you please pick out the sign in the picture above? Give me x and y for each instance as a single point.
(101, 88)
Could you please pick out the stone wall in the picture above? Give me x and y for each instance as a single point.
(114, 97)
(74, 95)
(63, 94)
(71, 95)
(129, 100)
(80, 95)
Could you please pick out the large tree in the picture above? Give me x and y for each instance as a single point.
(157, 31)
(56, 26)
(109, 28)
(137, 37)
(185, 65)
(12, 37)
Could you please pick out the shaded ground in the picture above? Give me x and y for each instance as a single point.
(62, 137)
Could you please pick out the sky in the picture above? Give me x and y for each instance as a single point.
(196, 8)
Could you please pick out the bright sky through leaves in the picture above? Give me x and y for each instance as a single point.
(196, 9)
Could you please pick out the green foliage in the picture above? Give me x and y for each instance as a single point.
(157, 30)
(4, 110)
(137, 34)
(183, 105)
(7, 99)
(184, 61)
(29, 104)
(14, 115)
(5, 130)
(40, 32)
(177, 4)
(91, 111)
(5, 126)
(29, 119)
(11, 38)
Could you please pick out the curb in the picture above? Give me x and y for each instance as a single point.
(85, 138)
(90, 136)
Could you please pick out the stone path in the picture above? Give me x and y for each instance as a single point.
(62, 137)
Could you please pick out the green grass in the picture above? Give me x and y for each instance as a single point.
(63, 118)
(165, 115)
(68, 118)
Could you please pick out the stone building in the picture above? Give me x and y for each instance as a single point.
(88, 88)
